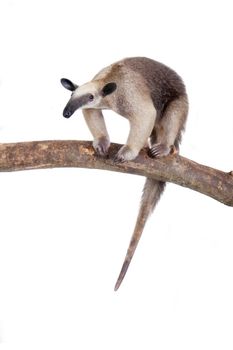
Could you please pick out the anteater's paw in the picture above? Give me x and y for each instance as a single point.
(101, 146)
(124, 154)
(159, 150)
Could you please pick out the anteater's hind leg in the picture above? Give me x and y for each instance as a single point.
(167, 131)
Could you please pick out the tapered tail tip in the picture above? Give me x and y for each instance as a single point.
(117, 285)
(122, 274)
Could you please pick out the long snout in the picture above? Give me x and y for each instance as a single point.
(74, 104)
(70, 108)
(67, 113)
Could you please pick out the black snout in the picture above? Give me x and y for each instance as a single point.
(67, 113)
(70, 108)
(74, 104)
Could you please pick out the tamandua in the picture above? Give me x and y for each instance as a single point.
(154, 100)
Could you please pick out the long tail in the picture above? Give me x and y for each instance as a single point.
(151, 193)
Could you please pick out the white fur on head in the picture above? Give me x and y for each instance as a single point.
(97, 91)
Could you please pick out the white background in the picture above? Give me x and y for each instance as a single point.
(64, 232)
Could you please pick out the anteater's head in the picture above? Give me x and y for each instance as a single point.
(89, 95)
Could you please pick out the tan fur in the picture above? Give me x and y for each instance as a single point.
(151, 194)
(132, 102)
(153, 98)
(172, 122)
(95, 121)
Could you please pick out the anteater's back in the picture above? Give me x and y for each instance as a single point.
(164, 83)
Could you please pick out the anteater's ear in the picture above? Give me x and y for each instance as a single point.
(68, 84)
(108, 89)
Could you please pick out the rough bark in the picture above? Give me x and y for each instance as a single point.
(174, 168)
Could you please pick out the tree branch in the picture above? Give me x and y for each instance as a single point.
(174, 168)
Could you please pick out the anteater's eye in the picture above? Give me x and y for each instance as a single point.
(91, 97)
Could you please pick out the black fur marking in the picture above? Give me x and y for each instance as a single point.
(75, 104)
(163, 82)
(68, 84)
(108, 89)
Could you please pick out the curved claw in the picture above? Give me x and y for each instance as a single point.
(119, 158)
(101, 146)
(101, 150)
(159, 150)
(125, 153)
